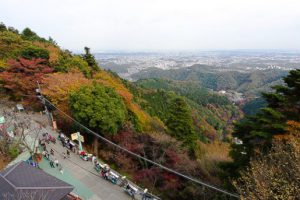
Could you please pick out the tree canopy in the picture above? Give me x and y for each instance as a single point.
(98, 107)
(275, 175)
(180, 122)
(22, 75)
(258, 131)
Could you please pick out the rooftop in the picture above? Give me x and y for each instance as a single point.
(22, 179)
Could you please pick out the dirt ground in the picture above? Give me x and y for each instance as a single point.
(3, 162)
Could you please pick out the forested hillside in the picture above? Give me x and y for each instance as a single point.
(212, 114)
(250, 83)
(183, 133)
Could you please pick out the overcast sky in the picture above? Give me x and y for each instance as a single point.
(139, 25)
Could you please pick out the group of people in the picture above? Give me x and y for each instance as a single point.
(65, 155)
(66, 142)
(52, 160)
(104, 170)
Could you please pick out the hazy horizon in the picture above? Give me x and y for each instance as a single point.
(160, 26)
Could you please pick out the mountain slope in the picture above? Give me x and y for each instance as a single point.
(210, 77)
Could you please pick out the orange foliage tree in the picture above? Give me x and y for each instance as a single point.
(58, 86)
(275, 175)
(54, 52)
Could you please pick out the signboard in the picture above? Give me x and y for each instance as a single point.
(74, 136)
(2, 120)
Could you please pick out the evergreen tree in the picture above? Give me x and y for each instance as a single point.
(257, 131)
(28, 34)
(90, 59)
(12, 29)
(2, 27)
(52, 41)
(180, 123)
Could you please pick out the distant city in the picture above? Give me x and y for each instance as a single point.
(127, 64)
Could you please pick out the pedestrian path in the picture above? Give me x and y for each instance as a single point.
(84, 172)
(89, 185)
(80, 189)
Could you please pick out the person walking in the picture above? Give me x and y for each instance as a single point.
(61, 169)
(68, 153)
(56, 162)
(52, 152)
(47, 155)
(51, 164)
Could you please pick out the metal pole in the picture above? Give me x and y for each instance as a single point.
(44, 102)
(79, 141)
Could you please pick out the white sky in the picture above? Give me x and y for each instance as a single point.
(139, 25)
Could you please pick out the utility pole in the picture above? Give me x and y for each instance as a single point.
(79, 141)
(44, 102)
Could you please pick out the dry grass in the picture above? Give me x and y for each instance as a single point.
(211, 154)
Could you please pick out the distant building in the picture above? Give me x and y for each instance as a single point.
(222, 92)
(23, 181)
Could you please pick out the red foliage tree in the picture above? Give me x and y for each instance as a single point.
(22, 75)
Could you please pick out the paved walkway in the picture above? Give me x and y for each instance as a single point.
(84, 172)
(89, 185)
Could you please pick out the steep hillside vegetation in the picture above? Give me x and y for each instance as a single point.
(212, 114)
(268, 160)
(160, 125)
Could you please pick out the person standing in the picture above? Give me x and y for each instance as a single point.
(93, 159)
(144, 197)
(124, 182)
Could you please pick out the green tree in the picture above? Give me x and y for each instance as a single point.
(28, 34)
(90, 59)
(34, 52)
(180, 123)
(2, 27)
(98, 107)
(258, 131)
(12, 29)
(68, 62)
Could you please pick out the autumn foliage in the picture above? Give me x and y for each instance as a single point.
(58, 86)
(162, 149)
(54, 52)
(275, 175)
(22, 75)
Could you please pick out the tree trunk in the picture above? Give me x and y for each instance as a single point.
(96, 144)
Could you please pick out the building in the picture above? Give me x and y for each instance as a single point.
(23, 181)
